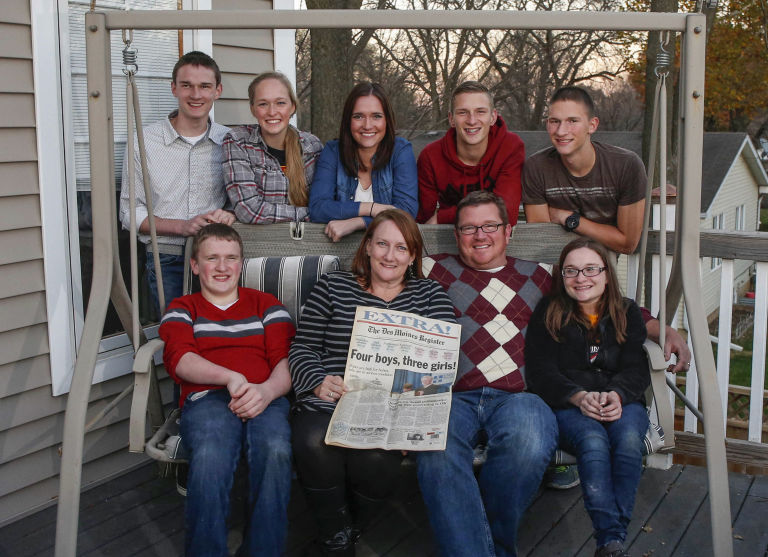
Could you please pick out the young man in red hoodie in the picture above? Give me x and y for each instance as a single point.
(477, 153)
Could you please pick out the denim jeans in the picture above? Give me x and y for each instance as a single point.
(479, 517)
(215, 438)
(610, 461)
(173, 278)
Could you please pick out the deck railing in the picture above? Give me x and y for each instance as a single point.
(738, 403)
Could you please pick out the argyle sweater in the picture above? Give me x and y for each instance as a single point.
(250, 337)
(493, 309)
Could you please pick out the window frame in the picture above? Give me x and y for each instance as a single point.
(58, 205)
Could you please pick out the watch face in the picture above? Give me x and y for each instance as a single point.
(572, 222)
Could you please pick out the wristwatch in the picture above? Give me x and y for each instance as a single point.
(572, 221)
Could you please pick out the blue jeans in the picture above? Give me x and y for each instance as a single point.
(173, 278)
(479, 517)
(610, 460)
(215, 438)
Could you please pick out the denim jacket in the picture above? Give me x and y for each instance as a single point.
(332, 194)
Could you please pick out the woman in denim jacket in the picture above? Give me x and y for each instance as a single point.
(367, 170)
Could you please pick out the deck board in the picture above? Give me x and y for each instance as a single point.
(139, 514)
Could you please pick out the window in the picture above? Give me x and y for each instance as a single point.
(718, 223)
(62, 124)
(740, 218)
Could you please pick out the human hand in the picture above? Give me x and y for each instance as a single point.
(236, 383)
(337, 229)
(558, 216)
(432, 219)
(379, 207)
(221, 216)
(251, 401)
(191, 226)
(611, 406)
(331, 389)
(674, 343)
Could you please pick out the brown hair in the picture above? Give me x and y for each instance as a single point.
(294, 158)
(197, 58)
(482, 197)
(470, 87)
(348, 146)
(575, 94)
(361, 263)
(563, 309)
(218, 231)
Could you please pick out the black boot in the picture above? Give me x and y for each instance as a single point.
(335, 538)
(364, 511)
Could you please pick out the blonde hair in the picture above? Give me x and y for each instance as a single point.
(294, 158)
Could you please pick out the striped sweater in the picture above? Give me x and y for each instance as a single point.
(250, 337)
(322, 341)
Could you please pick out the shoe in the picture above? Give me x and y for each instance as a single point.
(611, 549)
(182, 470)
(562, 477)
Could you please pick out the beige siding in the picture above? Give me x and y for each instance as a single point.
(241, 54)
(31, 420)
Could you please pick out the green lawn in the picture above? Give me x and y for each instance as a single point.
(741, 363)
(764, 220)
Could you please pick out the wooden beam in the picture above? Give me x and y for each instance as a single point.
(736, 450)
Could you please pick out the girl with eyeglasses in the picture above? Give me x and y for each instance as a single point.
(584, 356)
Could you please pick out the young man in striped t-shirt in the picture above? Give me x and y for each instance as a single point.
(227, 347)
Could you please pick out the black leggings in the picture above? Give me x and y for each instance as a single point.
(373, 473)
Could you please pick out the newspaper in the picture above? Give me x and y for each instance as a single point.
(400, 369)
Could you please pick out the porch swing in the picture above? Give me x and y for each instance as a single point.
(538, 242)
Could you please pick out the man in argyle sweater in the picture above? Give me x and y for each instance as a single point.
(494, 296)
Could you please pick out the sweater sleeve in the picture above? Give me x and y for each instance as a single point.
(323, 205)
(508, 182)
(427, 187)
(542, 371)
(307, 350)
(405, 194)
(278, 330)
(248, 187)
(633, 377)
(177, 332)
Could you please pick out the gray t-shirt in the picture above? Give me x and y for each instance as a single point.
(617, 178)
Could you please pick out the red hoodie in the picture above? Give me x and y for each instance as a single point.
(445, 179)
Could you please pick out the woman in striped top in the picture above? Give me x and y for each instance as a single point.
(386, 273)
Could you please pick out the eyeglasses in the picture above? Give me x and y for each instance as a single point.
(591, 271)
(488, 228)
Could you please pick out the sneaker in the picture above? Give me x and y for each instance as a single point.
(611, 549)
(562, 477)
(182, 469)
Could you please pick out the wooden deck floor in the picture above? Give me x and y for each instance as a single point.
(140, 514)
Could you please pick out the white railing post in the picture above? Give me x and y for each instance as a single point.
(760, 332)
(724, 333)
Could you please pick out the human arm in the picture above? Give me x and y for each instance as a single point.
(405, 189)
(674, 343)
(308, 353)
(324, 206)
(189, 227)
(542, 367)
(630, 375)
(250, 399)
(253, 179)
(622, 238)
(508, 180)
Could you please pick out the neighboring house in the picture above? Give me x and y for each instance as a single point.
(45, 221)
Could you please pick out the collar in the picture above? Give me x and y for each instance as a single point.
(215, 132)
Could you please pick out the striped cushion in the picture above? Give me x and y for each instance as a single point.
(290, 279)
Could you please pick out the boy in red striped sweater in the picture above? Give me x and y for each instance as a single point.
(227, 347)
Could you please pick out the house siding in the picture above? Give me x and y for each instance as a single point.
(739, 188)
(31, 419)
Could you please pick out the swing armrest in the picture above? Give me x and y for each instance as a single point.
(664, 410)
(143, 369)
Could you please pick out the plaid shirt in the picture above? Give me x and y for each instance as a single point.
(255, 183)
(186, 179)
